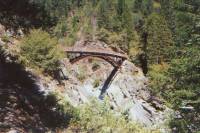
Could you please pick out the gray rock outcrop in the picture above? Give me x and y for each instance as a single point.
(128, 91)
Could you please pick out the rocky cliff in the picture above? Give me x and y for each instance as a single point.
(128, 92)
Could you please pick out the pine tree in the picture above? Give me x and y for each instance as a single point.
(187, 20)
(103, 18)
(120, 7)
(137, 5)
(167, 9)
(127, 24)
(143, 6)
(159, 39)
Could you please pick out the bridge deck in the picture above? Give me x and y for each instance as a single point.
(98, 51)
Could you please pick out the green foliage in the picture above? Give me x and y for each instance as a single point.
(187, 20)
(39, 50)
(99, 118)
(158, 78)
(116, 17)
(63, 105)
(115, 39)
(81, 74)
(103, 13)
(143, 6)
(181, 125)
(156, 5)
(68, 40)
(159, 40)
(53, 9)
(137, 5)
(103, 35)
(95, 66)
(120, 7)
(184, 91)
(161, 35)
(5, 38)
(177, 22)
(185, 71)
(60, 29)
(135, 47)
(96, 83)
(76, 26)
(127, 23)
(66, 31)
(95, 116)
(167, 10)
(34, 13)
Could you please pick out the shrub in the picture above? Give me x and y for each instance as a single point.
(95, 66)
(81, 74)
(68, 40)
(159, 77)
(181, 125)
(99, 118)
(39, 50)
(114, 39)
(5, 38)
(60, 30)
(96, 83)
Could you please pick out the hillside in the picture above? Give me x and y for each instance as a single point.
(128, 93)
(93, 65)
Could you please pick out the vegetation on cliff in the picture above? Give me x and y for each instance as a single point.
(39, 50)
(161, 36)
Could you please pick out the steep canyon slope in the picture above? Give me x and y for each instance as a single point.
(128, 93)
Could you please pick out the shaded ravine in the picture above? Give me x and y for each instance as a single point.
(23, 107)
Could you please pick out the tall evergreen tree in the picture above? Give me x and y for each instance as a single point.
(137, 5)
(120, 7)
(167, 9)
(187, 19)
(159, 39)
(127, 24)
(143, 6)
(103, 18)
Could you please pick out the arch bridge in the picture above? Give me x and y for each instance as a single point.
(116, 59)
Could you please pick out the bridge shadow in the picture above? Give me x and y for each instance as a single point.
(108, 82)
(23, 106)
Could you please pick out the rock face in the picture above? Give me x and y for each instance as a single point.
(128, 91)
